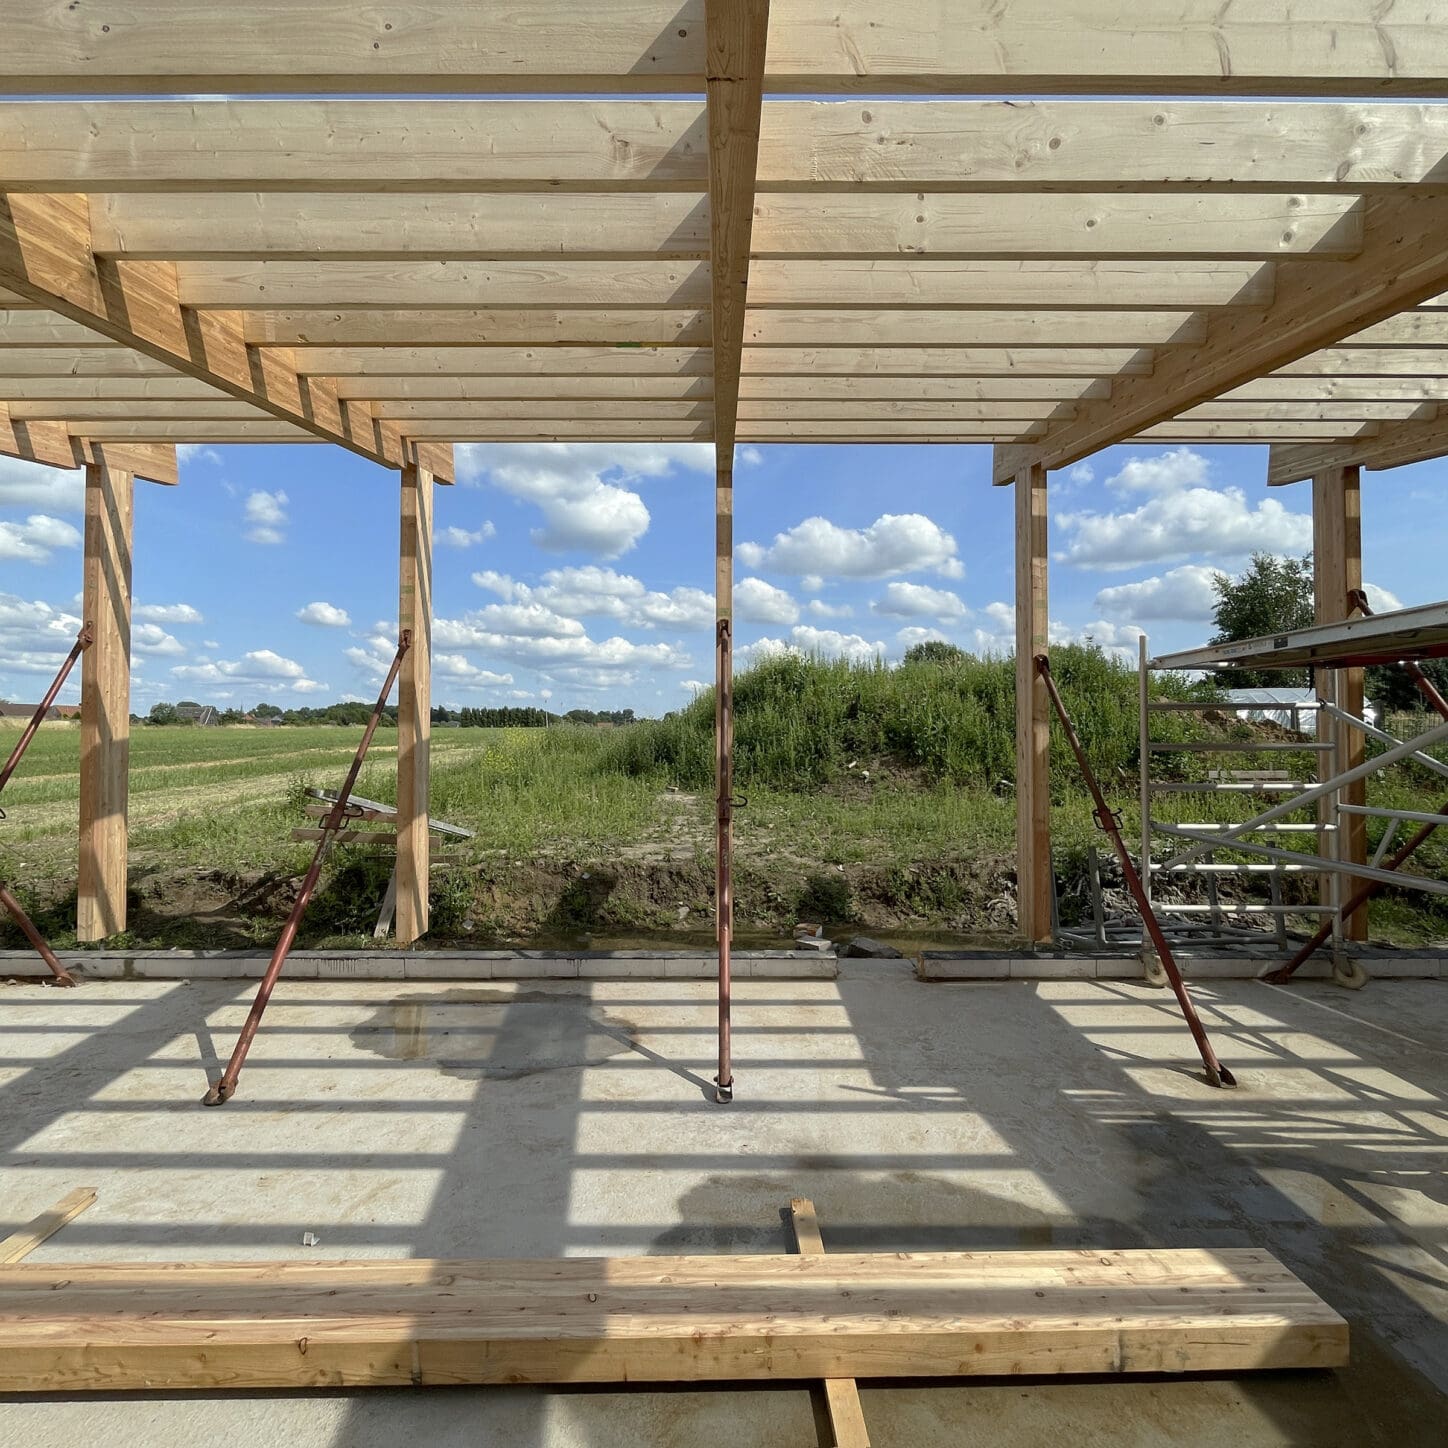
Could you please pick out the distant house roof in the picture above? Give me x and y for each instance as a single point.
(198, 713)
(24, 711)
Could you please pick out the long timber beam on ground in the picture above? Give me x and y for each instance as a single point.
(237, 1326)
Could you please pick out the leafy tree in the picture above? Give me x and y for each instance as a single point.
(934, 651)
(267, 711)
(162, 714)
(1273, 595)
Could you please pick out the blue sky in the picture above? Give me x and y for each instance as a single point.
(579, 574)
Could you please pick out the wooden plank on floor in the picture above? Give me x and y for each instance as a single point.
(842, 1398)
(22, 1243)
(240, 1325)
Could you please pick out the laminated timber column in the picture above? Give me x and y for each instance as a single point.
(1033, 718)
(414, 705)
(105, 703)
(1337, 572)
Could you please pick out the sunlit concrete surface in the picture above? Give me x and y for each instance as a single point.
(428, 1119)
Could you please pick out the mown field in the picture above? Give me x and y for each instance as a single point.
(880, 796)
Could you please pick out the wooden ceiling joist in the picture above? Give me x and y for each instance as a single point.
(468, 327)
(1404, 260)
(607, 146)
(505, 360)
(52, 444)
(674, 226)
(1030, 47)
(1392, 445)
(508, 218)
(46, 255)
(734, 91)
(623, 286)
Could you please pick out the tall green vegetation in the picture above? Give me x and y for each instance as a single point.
(799, 722)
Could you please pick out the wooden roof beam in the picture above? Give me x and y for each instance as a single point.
(667, 285)
(1404, 260)
(155, 47)
(46, 255)
(1153, 47)
(734, 86)
(1393, 445)
(52, 444)
(630, 155)
(674, 226)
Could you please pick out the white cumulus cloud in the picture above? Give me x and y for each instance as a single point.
(151, 638)
(915, 600)
(462, 538)
(761, 602)
(579, 487)
(1186, 592)
(804, 639)
(168, 613)
(37, 538)
(893, 543)
(31, 485)
(1177, 525)
(596, 592)
(260, 666)
(324, 615)
(266, 516)
(1167, 472)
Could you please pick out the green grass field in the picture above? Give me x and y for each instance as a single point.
(898, 780)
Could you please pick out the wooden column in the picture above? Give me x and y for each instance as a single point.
(105, 703)
(414, 705)
(1337, 571)
(1033, 706)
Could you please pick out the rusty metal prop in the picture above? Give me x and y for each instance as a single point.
(83, 641)
(724, 842)
(1358, 599)
(1109, 820)
(225, 1088)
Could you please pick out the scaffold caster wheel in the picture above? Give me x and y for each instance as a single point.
(723, 1091)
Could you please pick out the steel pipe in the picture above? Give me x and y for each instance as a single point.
(1106, 819)
(225, 1088)
(83, 641)
(724, 845)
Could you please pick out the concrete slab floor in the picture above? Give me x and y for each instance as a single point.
(426, 1119)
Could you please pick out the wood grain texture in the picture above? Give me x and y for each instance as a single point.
(112, 1327)
(1034, 887)
(736, 31)
(151, 46)
(1152, 47)
(943, 146)
(1404, 260)
(1392, 445)
(414, 706)
(19, 1245)
(1156, 47)
(105, 703)
(52, 443)
(383, 226)
(46, 254)
(842, 1397)
(1337, 573)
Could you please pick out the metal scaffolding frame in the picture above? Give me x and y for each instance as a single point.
(1402, 637)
